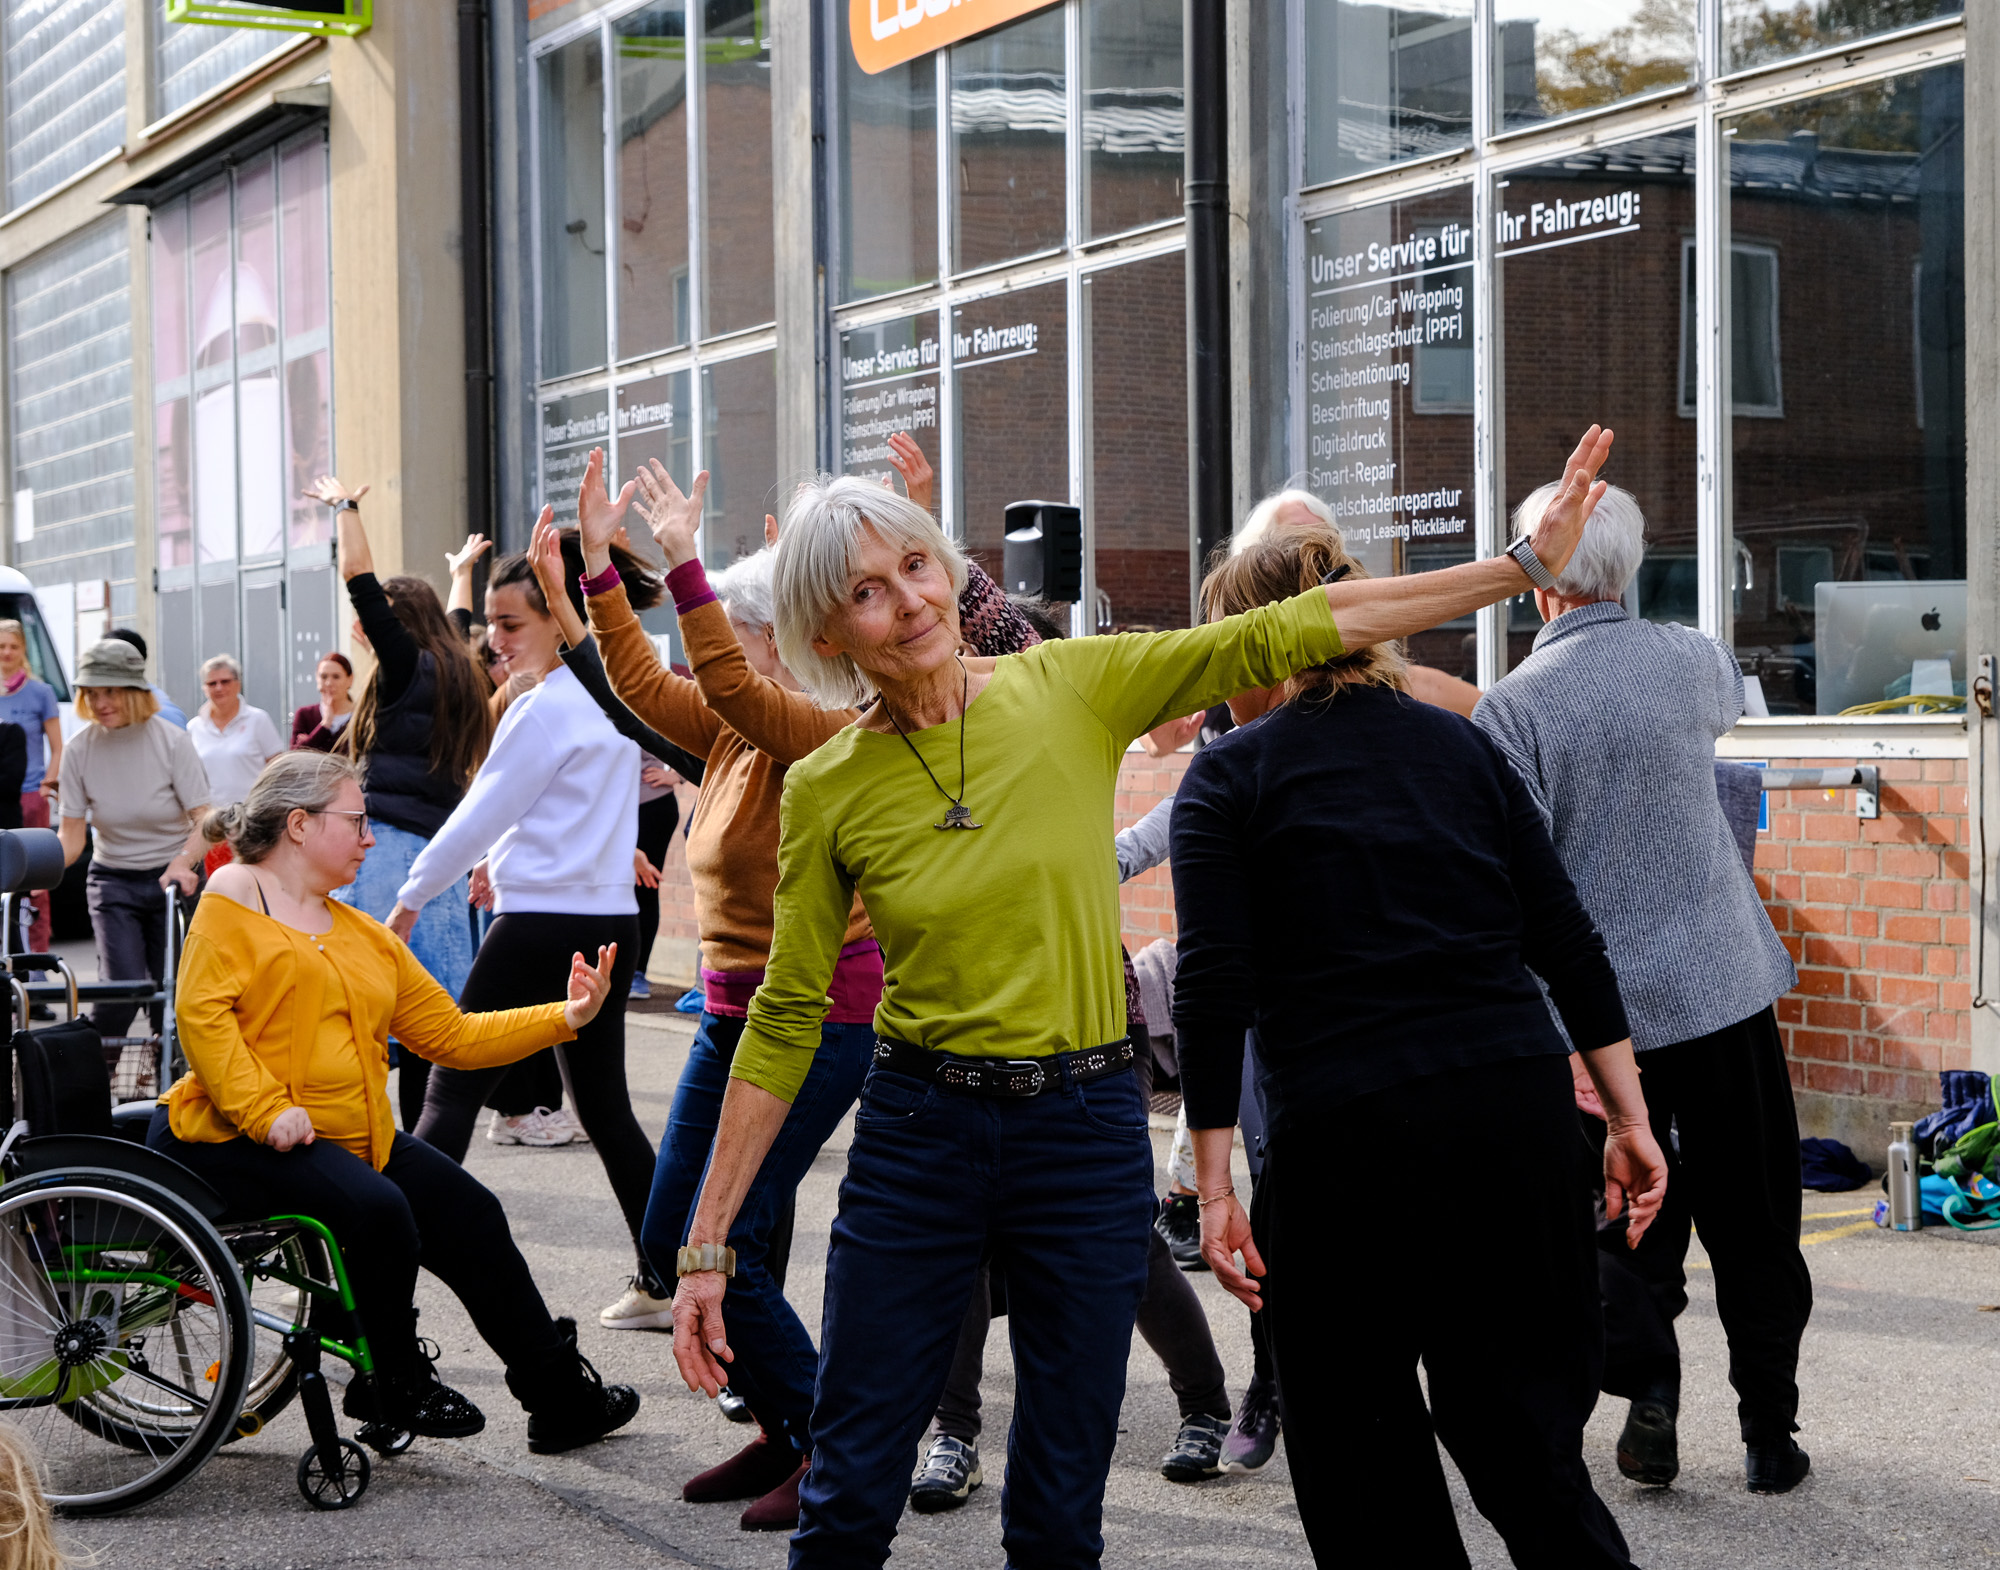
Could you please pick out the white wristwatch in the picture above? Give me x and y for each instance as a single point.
(1523, 552)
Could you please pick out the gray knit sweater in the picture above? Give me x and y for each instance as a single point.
(1612, 722)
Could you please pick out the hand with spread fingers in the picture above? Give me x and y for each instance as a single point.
(909, 461)
(599, 514)
(589, 986)
(1563, 520)
(545, 557)
(673, 515)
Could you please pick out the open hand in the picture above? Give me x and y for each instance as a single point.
(1556, 537)
(658, 776)
(1635, 1178)
(402, 921)
(644, 873)
(599, 514)
(293, 1126)
(672, 515)
(1225, 1232)
(589, 986)
(545, 557)
(910, 462)
(461, 560)
(329, 490)
(701, 1346)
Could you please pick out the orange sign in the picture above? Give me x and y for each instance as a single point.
(888, 32)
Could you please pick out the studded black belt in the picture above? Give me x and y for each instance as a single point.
(1003, 1076)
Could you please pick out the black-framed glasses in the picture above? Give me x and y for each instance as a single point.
(360, 818)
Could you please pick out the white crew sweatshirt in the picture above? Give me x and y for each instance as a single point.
(555, 809)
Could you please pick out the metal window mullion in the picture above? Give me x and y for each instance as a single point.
(1083, 615)
(607, 50)
(697, 106)
(947, 369)
(1489, 436)
(235, 381)
(1713, 549)
(947, 146)
(538, 326)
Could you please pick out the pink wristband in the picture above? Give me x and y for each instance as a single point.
(603, 583)
(688, 584)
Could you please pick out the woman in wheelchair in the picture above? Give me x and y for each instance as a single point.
(286, 999)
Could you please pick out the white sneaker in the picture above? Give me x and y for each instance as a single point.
(530, 1128)
(639, 1309)
(564, 1122)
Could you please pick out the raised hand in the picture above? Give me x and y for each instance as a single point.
(329, 490)
(910, 462)
(589, 986)
(462, 559)
(1556, 537)
(674, 516)
(545, 557)
(599, 514)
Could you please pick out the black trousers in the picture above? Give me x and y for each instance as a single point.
(531, 1083)
(524, 960)
(657, 820)
(1733, 1173)
(1500, 1308)
(128, 915)
(421, 1209)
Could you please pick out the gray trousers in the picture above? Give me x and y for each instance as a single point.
(128, 912)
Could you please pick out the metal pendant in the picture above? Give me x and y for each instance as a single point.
(958, 816)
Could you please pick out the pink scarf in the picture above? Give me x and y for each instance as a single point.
(13, 683)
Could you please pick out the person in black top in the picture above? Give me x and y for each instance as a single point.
(1364, 880)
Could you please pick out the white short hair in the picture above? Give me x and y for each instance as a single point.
(1266, 511)
(221, 662)
(1607, 556)
(744, 587)
(817, 550)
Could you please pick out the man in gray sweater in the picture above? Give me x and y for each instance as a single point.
(1612, 722)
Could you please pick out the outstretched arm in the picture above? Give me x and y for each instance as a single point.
(350, 538)
(460, 563)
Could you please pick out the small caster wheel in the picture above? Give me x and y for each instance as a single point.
(334, 1482)
(386, 1440)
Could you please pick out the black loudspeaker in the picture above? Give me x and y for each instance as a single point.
(1045, 551)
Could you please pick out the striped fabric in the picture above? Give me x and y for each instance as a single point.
(1612, 722)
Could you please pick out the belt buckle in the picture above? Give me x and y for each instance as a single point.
(1025, 1076)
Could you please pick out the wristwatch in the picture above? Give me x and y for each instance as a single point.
(347, 504)
(698, 1257)
(1523, 552)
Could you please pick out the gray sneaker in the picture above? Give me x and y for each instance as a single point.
(1253, 1437)
(949, 1473)
(1197, 1451)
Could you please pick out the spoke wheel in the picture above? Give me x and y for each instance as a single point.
(333, 1482)
(274, 1381)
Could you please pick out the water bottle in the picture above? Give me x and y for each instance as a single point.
(1906, 1211)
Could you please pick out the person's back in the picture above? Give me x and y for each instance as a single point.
(1612, 722)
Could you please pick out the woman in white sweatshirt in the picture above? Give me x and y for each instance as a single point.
(554, 811)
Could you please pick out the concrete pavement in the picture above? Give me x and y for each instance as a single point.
(1899, 1383)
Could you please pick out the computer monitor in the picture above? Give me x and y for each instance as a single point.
(1872, 633)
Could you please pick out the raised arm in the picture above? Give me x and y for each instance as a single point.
(460, 564)
(427, 1020)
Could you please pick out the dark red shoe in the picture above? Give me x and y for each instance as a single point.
(778, 1511)
(751, 1473)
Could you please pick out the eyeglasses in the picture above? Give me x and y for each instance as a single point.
(360, 818)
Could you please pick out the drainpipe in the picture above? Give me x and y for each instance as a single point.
(1205, 35)
(475, 241)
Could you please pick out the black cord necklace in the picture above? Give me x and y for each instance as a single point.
(957, 815)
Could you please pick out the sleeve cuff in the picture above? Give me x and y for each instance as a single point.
(601, 583)
(1594, 1021)
(688, 584)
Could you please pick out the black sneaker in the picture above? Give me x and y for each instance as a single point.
(1775, 1469)
(946, 1479)
(1253, 1437)
(568, 1402)
(1179, 1226)
(414, 1400)
(1648, 1449)
(1197, 1451)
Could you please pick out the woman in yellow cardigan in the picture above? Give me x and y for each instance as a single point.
(287, 999)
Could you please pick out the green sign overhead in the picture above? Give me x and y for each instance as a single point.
(329, 18)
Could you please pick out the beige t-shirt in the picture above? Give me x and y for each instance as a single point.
(137, 784)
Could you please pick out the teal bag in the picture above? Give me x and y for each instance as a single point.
(1974, 1206)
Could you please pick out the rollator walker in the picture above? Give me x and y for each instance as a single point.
(142, 1327)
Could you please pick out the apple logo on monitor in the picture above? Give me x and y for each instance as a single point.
(1932, 621)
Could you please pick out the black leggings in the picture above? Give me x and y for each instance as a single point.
(657, 820)
(419, 1209)
(531, 1083)
(525, 960)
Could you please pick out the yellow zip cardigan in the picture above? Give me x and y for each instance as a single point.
(271, 1017)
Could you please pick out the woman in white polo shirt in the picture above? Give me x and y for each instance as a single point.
(234, 738)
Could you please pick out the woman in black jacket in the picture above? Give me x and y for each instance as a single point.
(1364, 880)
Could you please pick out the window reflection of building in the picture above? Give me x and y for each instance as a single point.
(1385, 83)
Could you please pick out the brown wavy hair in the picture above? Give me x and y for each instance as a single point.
(1281, 566)
(461, 723)
(645, 586)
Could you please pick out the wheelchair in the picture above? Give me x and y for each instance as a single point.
(141, 1327)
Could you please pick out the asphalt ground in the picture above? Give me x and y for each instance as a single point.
(1899, 1377)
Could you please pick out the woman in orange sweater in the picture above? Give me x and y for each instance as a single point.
(286, 1002)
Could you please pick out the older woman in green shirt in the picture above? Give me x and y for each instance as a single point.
(969, 806)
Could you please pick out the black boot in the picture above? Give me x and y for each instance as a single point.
(1179, 1226)
(1775, 1469)
(568, 1402)
(405, 1393)
(1649, 1448)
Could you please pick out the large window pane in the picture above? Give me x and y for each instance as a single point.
(654, 308)
(737, 252)
(1554, 57)
(1388, 412)
(1007, 118)
(173, 511)
(1385, 82)
(1011, 360)
(1591, 279)
(214, 420)
(1133, 113)
(570, 428)
(260, 427)
(308, 373)
(572, 180)
(888, 383)
(63, 65)
(740, 430)
(1137, 318)
(887, 175)
(1849, 493)
(655, 423)
(1757, 31)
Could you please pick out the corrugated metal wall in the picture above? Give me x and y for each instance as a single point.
(62, 68)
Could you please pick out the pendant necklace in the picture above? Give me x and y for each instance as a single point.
(957, 815)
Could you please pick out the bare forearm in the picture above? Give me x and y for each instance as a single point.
(1375, 610)
(1614, 1070)
(461, 591)
(355, 556)
(70, 832)
(1213, 1148)
(197, 842)
(751, 1118)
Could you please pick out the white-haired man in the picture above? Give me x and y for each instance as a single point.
(1612, 722)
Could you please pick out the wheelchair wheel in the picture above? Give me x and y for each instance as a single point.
(124, 1335)
(333, 1482)
(273, 1380)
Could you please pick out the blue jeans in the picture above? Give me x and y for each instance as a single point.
(775, 1361)
(1058, 1190)
(442, 939)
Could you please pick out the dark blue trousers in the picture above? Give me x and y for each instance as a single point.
(775, 1361)
(1058, 1190)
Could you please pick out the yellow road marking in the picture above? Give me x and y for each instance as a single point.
(1828, 1215)
(1847, 1231)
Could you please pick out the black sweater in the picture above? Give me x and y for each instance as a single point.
(1367, 883)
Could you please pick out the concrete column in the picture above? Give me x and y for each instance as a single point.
(398, 354)
(794, 217)
(1982, 495)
